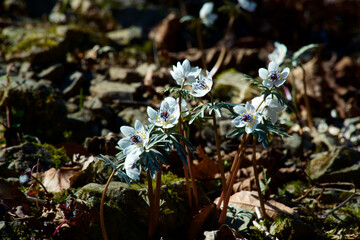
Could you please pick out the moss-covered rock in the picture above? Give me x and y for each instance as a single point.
(14, 160)
(36, 108)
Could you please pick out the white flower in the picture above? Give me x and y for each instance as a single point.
(202, 85)
(167, 116)
(184, 72)
(270, 107)
(135, 139)
(273, 76)
(248, 5)
(279, 53)
(132, 167)
(247, 118)
(206, 15)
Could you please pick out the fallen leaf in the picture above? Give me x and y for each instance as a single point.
(56, 180)
(250, 200)
(206, 169)
(199, 220)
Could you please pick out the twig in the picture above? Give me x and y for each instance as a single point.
(340, 205)
(102, 221)
(261, 199)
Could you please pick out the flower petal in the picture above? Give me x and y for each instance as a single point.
(268, 84)
(280, 82)
(273, 66)
(127, 131)
(263, 73)
(152, 113)
(131, 168)
(237, 122)
(285, 73)
(239, 109)
(124, 143)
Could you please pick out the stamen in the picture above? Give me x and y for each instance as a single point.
(135, 139)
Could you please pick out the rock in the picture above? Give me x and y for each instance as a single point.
(285, 227)
(130, 115)
(38, 109)
(338, 165)
(125, 36)
(15, 160)
(42, 45)
(54, 73)
(233, 86)
(103, 145)
(81, 125)
(72, 84)
(108, 91)
(129, 209)
(98, 108)
(124, 75)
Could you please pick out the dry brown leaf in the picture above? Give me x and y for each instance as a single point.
(56, 180)
(199, 220)
(206, 169)
(249, 200)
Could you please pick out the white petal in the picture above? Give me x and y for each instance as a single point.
(138, 125)
(263, 73)
(249, 107)
(273, 66)
(273, 116)
(131, 168)
(171, 101)
(152, 113)
(239, 109)
(285, 73)
(250, 128)
(279, 83)
(186, 66)
(268, 84)
(237, 122)
(127, 131)
(124, 143)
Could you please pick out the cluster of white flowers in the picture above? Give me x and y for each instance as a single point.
(258, 110)
(261, 108)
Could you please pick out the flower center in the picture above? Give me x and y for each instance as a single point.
(201, 85)
(135, 139)
(246, 118)
(274, 76)
(164, 114)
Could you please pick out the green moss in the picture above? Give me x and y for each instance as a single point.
(57, 155)
(295, 188)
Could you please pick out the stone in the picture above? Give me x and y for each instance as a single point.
(124, 75)
(129, 209)
(125, 36)
(233, 86)
(131, 114)
(54, 73)
(15, 160)
(108, 91)
(338, 165)
(72, 84)
(98, 108)
(38, 108)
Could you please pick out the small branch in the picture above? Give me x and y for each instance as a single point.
(261, 199)
(102, 221)
(307, 104)
(340, 205)
(237, 162)
(217, 141)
